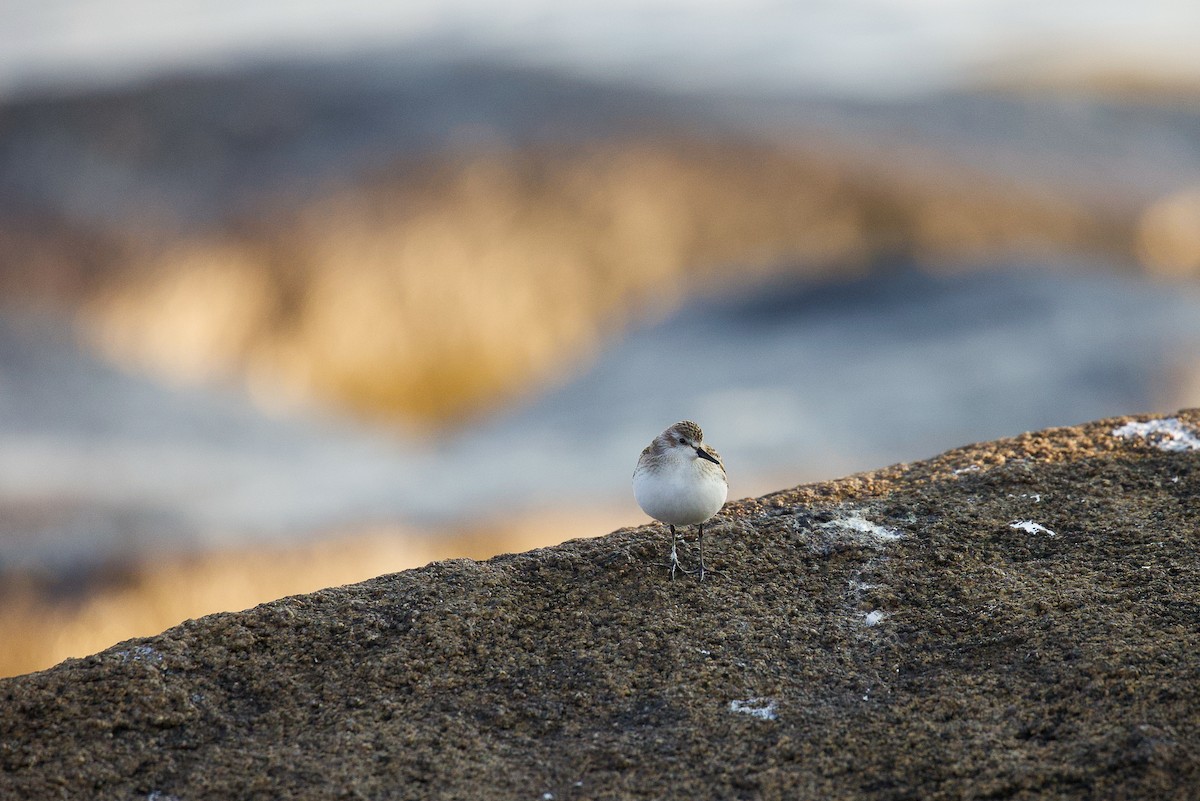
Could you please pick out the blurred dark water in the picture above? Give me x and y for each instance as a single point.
(1118, 151)
(796, 381)
(203, 147)
(193, 150)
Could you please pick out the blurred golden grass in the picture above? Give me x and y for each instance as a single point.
(431, 292)
(40, 628)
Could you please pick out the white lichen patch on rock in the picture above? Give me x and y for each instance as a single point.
(1031, 527)
(854, 529)
(763, 708)
(1166, 434)
(850, 530)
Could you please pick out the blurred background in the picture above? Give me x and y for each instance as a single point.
(295, 294)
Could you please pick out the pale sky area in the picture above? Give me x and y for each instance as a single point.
(869, 47)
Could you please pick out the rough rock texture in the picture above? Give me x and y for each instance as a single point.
(1019, 619)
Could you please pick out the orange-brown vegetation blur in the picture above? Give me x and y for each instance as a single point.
(428, 293)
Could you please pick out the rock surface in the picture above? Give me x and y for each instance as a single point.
(1017, 619)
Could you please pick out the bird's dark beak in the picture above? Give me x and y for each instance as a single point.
(703, 454)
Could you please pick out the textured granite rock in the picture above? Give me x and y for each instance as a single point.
(1017, 619)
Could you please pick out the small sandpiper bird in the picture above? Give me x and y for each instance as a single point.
(680, 481)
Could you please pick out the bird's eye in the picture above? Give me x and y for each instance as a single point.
(682, 441)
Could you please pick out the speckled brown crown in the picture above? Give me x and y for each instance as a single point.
(688, 429)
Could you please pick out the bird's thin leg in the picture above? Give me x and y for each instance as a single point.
(703, 571)
(675, 564)
(674, 554)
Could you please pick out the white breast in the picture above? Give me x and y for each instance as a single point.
(681, 493)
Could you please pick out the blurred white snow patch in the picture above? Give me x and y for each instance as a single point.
(1031, 527)
(1166, 434)
(875, 618)
(763, 708)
